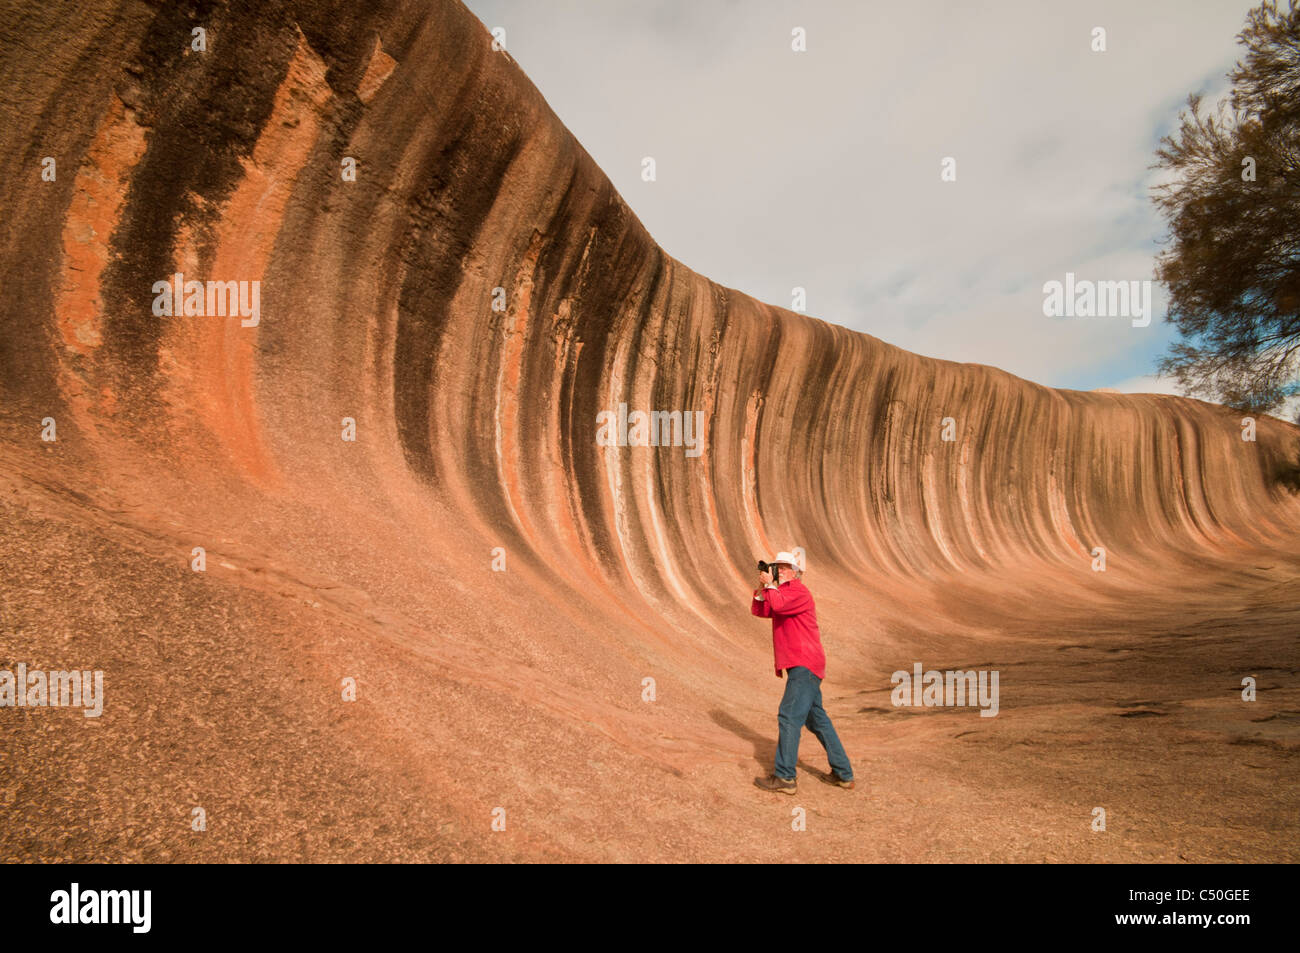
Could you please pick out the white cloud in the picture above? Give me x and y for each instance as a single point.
(1146, 384)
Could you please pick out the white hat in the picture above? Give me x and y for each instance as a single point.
(784, 557)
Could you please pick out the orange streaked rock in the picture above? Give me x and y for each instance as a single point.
(373, 560)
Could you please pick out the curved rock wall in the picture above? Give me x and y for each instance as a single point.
(377, 303)
(498, 582)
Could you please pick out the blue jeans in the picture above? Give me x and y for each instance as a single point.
(802, 705)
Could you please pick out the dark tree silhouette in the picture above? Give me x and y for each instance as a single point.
(1233, 208)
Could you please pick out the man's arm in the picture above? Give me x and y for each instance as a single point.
(788, 602)
(759, 606)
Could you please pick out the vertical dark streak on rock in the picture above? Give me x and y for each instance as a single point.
(445, 223)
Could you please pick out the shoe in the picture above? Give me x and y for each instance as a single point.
(830, 777)
(773, 783)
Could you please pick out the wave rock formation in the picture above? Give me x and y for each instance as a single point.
(496, 583)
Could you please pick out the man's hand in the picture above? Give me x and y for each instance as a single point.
(765, 578)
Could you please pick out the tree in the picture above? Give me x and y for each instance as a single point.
(1233, 208)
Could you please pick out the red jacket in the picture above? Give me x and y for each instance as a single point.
(796, 640)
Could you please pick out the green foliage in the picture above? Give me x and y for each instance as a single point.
(1233, 265)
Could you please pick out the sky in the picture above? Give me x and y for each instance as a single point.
(821, 169)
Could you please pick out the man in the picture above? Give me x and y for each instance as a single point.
(797, 643)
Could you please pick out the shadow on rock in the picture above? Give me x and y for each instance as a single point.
(764, 747)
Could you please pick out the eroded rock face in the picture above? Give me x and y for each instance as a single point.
(477, 428)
